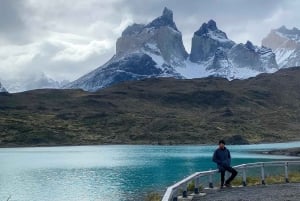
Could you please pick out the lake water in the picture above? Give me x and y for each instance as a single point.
(108, 173)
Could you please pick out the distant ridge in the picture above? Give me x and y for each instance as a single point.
(157, 111)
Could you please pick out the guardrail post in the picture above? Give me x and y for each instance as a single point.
(184, 192)
(210, 185)
(262, 174)
(171, 193)
(175, 194)
(244, 176)
(197, 183)
(286, 172)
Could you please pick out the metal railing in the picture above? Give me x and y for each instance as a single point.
(172, 192)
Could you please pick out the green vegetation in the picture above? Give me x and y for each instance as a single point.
(274, 179)
(153, 197)
(251, 181)
(294, 177)
(157, 111)
(191, 187)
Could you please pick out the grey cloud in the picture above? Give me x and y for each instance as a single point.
(12, 25)
(189, 15)
(33, 24)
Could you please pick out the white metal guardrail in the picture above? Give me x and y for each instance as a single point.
(171, 193)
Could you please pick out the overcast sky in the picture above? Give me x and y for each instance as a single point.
(68, 38)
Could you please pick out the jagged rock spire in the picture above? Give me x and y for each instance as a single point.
(211, 25)
(249, 45)
(165, 20)
(207, 40)
(168, 14)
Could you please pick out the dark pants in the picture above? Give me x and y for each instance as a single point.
(233, 174)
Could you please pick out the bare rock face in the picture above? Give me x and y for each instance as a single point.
(276, 39)
(134, 66)
(165, 20)
(156, 50)
(286, 45)
(221, 66)
(207, 40)
(220, 59)
(212, 48)
(143, 51)
(133, 29)
(253, 57)
(160, 37)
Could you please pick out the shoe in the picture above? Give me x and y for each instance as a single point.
(222, 186)
(228, 185)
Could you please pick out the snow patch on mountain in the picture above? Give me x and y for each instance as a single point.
(283, 56)
(156, 50)
(134, 66)
(291, 34)
(31, 81)
(286, 45)
(207, 40)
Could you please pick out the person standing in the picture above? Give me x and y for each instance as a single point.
(222, 158)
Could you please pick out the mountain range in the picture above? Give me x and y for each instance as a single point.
(156, 50)
(31, 81)
(240, 92)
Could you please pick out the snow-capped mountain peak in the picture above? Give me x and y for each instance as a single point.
(165, 20)
(205, 28)
(143, 51)
(292, 34)
(211, 30)
(159, 38)
(156, 50)
(256, 58)
(286, 45)
(206, 40)
(29, 81)
(250, 46)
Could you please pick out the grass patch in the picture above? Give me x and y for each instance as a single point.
(191, 187)
(153, 197)
(276, 179)
(250, 181)
(160, 111)
(294, 177)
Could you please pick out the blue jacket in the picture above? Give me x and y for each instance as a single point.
(222, 158)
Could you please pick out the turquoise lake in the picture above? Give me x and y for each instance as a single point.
(110, 172)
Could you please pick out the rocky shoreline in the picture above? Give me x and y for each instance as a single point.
(286, 152)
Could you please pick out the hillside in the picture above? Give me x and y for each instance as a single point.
(265, 108)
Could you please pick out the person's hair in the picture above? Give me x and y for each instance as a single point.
(221, 142)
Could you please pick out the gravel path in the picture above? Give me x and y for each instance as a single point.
(277, 192)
